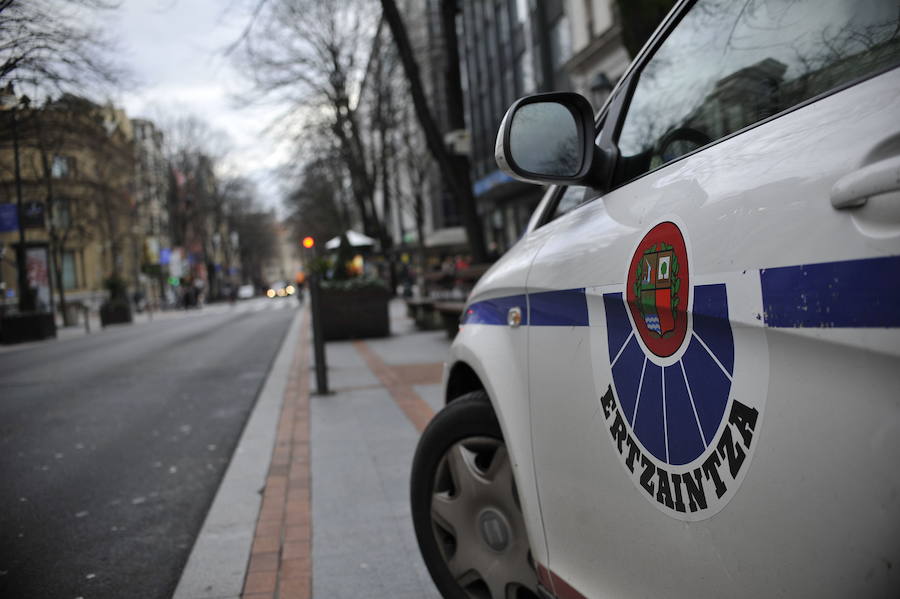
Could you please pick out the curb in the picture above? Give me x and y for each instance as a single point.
(219, 559)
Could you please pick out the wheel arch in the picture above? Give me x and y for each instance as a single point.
(461, 380)
(486, 359)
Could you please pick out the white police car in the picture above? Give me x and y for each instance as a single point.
(684, 380)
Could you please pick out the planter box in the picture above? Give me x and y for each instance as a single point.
(31, 326)
(355, 314)
(115, 313)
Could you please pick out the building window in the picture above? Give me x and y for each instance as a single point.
(62, 167)
(69, 271)
(520, 11)
(61, 217)
(502, 21)
(525, 73)
(560, 43)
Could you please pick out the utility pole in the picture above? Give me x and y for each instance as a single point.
(11, 102)
(315, 309)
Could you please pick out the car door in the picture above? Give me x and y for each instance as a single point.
(714, 346)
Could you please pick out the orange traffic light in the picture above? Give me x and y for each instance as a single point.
(308, 242)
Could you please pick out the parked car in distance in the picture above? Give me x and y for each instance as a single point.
(683, 380)
(246, 292)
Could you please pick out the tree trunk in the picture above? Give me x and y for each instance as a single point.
(57, 255)
(452, 170)
(57, 245)
(383, 109)
(359, 183)
(420, 241)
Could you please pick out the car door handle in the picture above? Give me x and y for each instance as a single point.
(856, 188)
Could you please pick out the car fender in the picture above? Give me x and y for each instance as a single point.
(500, 349)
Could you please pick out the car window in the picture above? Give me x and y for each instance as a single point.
(573, 197)
(727, 65)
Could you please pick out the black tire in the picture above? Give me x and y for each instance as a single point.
(469, 422)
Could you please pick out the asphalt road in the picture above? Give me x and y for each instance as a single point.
(112, 447)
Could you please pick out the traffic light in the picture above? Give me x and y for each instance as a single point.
(309, 242)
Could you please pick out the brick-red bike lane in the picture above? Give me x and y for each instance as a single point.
(281, 560)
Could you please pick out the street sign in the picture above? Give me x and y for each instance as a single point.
(9, 220)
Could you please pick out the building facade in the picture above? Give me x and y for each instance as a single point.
(151, 194)
(409, 192)
(508, 49)
(76, 166)
(599, 57)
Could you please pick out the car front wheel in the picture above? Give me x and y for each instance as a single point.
(465, 507)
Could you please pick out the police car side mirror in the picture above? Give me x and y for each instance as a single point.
(549, 139)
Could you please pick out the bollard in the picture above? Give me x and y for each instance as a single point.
(318, 340)
(87, 319)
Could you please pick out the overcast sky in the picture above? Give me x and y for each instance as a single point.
(175, 48)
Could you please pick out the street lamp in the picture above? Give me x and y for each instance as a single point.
(9, 101)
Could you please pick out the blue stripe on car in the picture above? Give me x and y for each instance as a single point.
(853, 293)
(558, 308)
(495, 311)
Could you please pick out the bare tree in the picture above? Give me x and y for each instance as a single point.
(51, 44)
(417, 165)
(253, 227)
(454, 169)
(55, 132)
(315, 206)
(198, 212)
(113, 173)
(311, 53)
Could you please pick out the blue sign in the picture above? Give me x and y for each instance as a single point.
(9, 218)
(490, 181)
(165, 256)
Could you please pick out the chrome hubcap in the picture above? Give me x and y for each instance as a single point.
(478, 523)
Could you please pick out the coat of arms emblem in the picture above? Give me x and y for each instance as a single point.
(657, 289)
(684, 392)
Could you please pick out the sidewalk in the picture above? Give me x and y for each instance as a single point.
(334, 520)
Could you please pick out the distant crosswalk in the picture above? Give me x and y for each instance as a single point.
(257, 304)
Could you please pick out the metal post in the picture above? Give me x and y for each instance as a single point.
(26, 303)
(318, 341)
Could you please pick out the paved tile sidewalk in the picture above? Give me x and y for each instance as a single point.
(334, 520)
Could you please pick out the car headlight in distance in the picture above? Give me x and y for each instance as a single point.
(270, 293)
(282, 292)
(290, 289)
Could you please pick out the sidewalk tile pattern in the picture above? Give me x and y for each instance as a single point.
(363, 539)
(396, 378)
(279, 560)
(364, 544)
